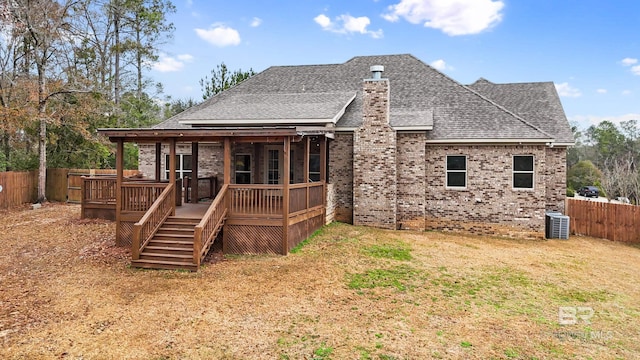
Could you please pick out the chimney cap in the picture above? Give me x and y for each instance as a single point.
(376, 71)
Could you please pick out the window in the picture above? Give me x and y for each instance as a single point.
(523, 172)
(243, 168)
(314, 167)
(183, 166)
(456, 171)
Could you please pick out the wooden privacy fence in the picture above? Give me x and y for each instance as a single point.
(18, 188)
(617, 222)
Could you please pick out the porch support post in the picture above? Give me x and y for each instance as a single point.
(227, 161)
(323, 173)
(158, 161)
(194, 173)
(119, 172)
(305, 169)
(172, 172)
(285, 194)
(323, 158)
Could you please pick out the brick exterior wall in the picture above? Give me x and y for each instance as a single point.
(341, 175)
(210, 159)
(411, 180)
(489, 204)
(374, 161)
(556, 174)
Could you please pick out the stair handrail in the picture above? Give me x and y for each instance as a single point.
(210, 225)
(148, 225)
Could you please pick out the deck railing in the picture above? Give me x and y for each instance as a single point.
(305, 196)
(140, 195)
(255, 200)
(151, 221)
(266, 200)
(209, 226)
(101, 190)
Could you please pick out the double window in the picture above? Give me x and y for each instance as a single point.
(456, 171)
(523, 171)
(183, 166)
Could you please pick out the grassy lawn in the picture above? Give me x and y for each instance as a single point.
(348, 293)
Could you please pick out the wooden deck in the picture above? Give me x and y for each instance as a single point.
(253, 219)
(192, 211)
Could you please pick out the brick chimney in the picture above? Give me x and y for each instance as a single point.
(374, 158)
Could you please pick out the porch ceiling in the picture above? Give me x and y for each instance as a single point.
(261, 134)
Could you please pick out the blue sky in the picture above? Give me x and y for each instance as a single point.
(589, 49)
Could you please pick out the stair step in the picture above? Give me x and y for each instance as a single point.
(163, 264)
(173, 243)
(170, 249)
(180, 229)
(164, 236)
(183, 220)
(188, 259)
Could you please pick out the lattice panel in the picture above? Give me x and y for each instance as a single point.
(124, 234)
(246, 239)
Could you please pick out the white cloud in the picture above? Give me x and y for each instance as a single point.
(323, 20)
(565, 90)
(220, 35)
(453, 17)
(441, 65)
(584, 121)
(629, 61)
(347, 24)
(635, 70)
(601, 91)
(626, 92)
(170, 64)
(255, 22)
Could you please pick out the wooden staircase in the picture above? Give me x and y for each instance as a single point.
(171, 247)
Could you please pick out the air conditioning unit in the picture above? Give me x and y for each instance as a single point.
(557, 226)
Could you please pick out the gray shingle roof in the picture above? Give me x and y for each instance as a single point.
(274, 107)
(538, 103)
(420, 96)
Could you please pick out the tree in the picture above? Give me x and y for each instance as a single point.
(582, 174)
(221, 79)
(619, 177)
(44, 25)
(607, 140)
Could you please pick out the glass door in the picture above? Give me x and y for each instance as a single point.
(274, 165)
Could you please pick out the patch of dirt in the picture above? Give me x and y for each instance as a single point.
(67, 292)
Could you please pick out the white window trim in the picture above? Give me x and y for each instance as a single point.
(465, 171)
(250, 171)
(179, 166)
(532, 172)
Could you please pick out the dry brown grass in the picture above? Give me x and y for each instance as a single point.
(65, 292)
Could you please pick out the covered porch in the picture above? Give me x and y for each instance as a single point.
(271, 193)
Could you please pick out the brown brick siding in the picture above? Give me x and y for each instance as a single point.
(411, 180)
(489, 197)
(341, 175)
(374, 161)
(556, 173)
(210, 159)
